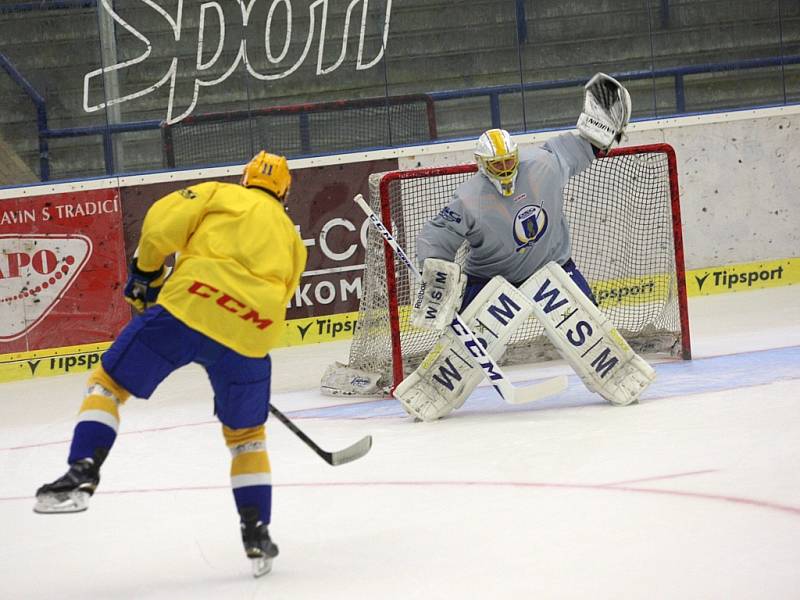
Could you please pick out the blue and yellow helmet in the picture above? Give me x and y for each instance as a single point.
(497, 156)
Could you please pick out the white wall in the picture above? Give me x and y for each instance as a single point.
(739, 178)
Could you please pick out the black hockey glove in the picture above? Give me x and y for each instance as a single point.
(142, 287)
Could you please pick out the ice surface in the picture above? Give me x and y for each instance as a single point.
(693, 493)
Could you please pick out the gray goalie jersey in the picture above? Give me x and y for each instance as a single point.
(516, 235)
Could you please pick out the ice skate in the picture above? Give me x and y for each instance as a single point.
(257, 544)
(70, 492)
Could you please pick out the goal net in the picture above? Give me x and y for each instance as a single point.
(624, 216)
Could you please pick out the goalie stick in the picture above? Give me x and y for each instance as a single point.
(339, 457)
(501, 383)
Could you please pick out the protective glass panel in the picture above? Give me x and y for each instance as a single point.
(102, 87)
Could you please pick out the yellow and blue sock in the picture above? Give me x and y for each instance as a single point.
(98, 418)
(251, 477)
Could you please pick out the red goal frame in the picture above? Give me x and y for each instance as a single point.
(680, 269)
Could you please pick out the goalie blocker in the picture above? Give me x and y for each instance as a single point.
(439, 294)
(581, 333)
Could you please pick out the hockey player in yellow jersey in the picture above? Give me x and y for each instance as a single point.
(238, 260)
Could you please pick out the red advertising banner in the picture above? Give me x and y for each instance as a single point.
(63, 259)
(61, 266)
(332, 226)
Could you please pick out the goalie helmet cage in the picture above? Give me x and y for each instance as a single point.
(624, 216)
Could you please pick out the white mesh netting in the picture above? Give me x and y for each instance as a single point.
(621, 213)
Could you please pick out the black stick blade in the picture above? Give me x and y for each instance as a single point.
(351, 453)
(340, 457)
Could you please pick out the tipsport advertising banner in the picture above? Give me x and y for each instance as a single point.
(743, 277)
(61, 267)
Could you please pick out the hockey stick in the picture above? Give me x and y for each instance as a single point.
(501, 383)
(339, 457)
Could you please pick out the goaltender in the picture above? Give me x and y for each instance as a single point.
(519, 263)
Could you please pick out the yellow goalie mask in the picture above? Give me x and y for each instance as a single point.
(497, 156)
(268, 172)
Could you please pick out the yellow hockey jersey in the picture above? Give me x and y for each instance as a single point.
(239, 260)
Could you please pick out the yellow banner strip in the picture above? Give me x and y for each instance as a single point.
(50, 361)
(313, 330)
(743, 277)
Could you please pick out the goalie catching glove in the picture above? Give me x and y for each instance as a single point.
(606, 111)
(439, 294)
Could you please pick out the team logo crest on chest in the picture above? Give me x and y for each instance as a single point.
(530, 223)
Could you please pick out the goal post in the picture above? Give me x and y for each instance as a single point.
(625, 222)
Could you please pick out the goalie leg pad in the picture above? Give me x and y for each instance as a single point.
(450, 371)
(586, 338)
(442, 382)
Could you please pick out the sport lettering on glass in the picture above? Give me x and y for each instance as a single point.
(218, 19)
